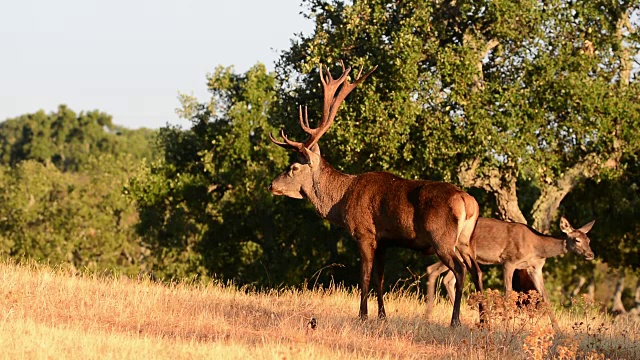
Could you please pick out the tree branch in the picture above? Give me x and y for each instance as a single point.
(545, 208)
(501, 185)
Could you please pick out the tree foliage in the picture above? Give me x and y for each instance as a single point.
(78, 218)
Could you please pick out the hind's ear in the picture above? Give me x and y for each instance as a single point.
(565, 226)
(585, 229)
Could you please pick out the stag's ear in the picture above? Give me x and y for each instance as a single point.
(565, 226)
(316, 149)
(312, 157)
(585, 229)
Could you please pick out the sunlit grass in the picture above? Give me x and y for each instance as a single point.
(46, 313)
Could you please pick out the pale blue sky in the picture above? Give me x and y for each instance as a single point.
(130, 58)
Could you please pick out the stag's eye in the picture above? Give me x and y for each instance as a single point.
(295, 167)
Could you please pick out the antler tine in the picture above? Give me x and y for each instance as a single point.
(288, 144)
(361, 79)
(304, 121)
(306, 116)
(295, 144)
(329, 76)
(322, 80)
(347, 87)
(332, 102)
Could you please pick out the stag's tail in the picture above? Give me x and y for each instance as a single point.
(467, 216)
(466, 211)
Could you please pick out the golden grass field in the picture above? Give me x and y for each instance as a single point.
(50, 313)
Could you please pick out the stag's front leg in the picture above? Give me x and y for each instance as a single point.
(367, 253)
(378, 272)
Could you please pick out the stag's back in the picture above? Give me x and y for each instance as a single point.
(399, 209)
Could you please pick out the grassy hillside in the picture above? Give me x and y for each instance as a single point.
(47, 313)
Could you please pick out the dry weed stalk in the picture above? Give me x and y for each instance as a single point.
(538, 342)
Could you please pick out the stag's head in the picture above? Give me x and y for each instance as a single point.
(299, 177)
(577, 239)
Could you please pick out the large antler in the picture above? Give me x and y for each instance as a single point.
(330, 107)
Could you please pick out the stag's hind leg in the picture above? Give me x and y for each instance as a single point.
(455, 264)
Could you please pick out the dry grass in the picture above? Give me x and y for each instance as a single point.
(47, 313)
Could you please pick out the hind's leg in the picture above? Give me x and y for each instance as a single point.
(450, 284)
(433, 271)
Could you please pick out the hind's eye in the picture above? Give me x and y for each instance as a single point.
(295, 167)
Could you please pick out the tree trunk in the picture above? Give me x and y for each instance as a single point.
(507, 201)
(618, 307)
(500, 183)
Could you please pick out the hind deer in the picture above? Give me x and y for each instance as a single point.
(379, 209)
(515, 246)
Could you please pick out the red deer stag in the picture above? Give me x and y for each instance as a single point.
(515, 246)
(379, 209)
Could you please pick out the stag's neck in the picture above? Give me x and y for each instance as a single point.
(329, 188)
(550, 246)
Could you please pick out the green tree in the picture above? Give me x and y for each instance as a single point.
(64, 217)
(519, 100)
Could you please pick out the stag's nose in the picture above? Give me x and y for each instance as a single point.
(270, 187)
(589, 256)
